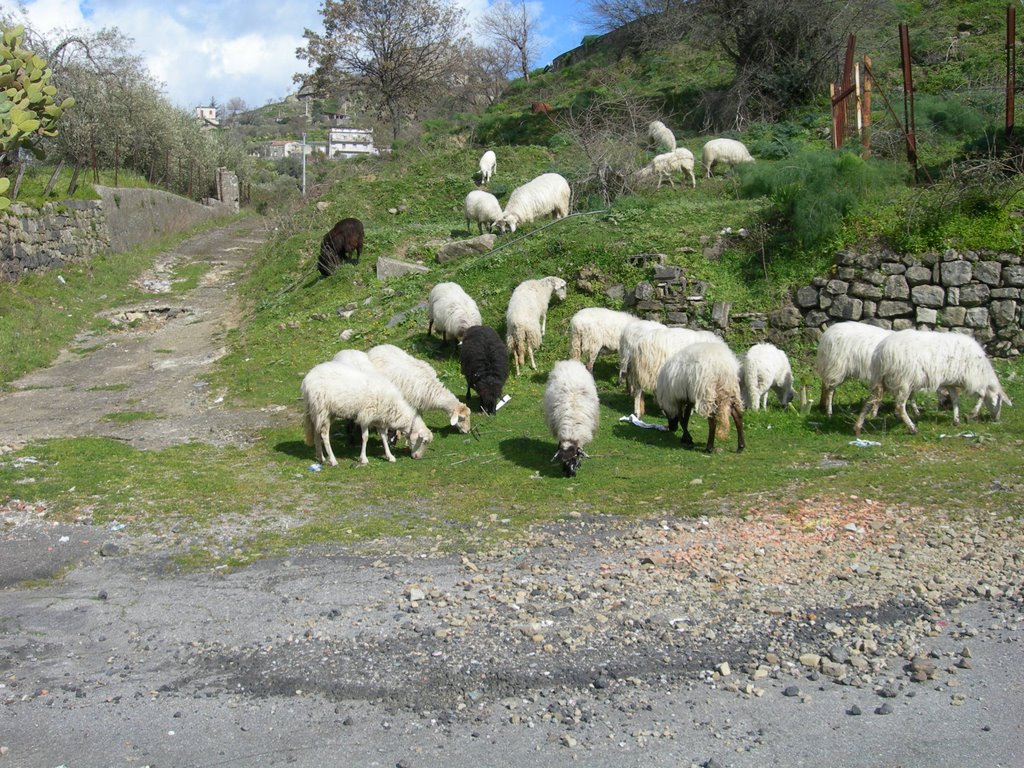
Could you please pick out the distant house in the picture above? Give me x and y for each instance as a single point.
(281, 148)
(350, 142)
(207, 117)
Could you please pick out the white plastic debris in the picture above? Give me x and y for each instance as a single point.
(315, 467)
(501, 402)
(61, 280)
(636, 421)
(864, 443)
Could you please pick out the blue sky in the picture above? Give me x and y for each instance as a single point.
(203, 49)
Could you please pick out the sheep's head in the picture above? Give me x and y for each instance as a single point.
(419, 438)
(558, 287)
(506, 223)
(460, 418)
(995, 398)
(490, 394)
(571, 456)
(785, 394)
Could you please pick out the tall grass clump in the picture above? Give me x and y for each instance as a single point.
(813, 193)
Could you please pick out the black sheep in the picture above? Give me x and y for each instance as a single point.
(483, 358)
(339, 245)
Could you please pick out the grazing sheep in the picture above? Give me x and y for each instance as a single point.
(418, 383)
(483, 358)
(765, 368)
(596, 329)
(661, 136)
(452, 310)
(664, 166)
(650, 353)
(724, 151)
(912, 361)
(527, 316)
(844, 352)
(335, 390)
(703, 377)
(572, 412)
(630, 337)
(483, 208)
(549, 193)
(488, 163)
(339, 245)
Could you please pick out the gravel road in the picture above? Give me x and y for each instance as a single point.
(849, 633)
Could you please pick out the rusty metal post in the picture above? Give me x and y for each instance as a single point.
(908, 98)
(865, 137)
(837, 134)
(1011, 66)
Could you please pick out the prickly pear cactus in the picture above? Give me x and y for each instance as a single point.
(28, 111)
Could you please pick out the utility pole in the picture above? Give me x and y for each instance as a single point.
(303, 166)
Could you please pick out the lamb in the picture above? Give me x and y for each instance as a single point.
(661, 136)
(339, 245)
(418, 383)
(844, 352)
(765, 368)
(483, 358)
(596, 329)
(572, 412)
(527, 316)
(703, 377)
(483, 208)
(724, 151)
(649, 355)
(664, 166)
(488, 163)
(452, 309)
(911, 361)
(630, 337)
(335, 390)
(549, 193)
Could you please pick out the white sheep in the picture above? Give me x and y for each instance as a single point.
(594, 330)
(572, 412)
(628, 340)
(355, 358)
(527, 316)
(549, 193)
(763, 369)
(418, 382)
(914, 361)
(650, 353)
(335, 390)
(724, 151)
(481, 207)
(702, 377)
(488, 162)
(844, 352)
(452, 310)
(661, 136)
(663, 167)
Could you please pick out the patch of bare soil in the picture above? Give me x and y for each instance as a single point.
(151, 360)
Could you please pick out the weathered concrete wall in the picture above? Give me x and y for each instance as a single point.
(75, 230)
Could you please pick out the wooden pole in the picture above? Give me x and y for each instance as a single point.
(908, 98)
(1011, 66)
(837, 134)
(865, 137)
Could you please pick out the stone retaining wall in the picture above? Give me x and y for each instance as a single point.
(978, 293)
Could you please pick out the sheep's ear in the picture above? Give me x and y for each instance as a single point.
(454, 420)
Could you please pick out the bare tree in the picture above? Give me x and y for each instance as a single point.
(395, 49)
(507, 23)
(236, 105)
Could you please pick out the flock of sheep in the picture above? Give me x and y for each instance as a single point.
(686, 370)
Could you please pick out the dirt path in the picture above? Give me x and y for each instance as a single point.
(151, 361)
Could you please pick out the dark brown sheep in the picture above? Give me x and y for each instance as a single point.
(343, 243)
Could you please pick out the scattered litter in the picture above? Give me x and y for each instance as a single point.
(61, 280)
(501, 402)
(219, 399)
(64, 539)
(636, 421)
(315, 467)
(117, 526)
(965, 435)
(864, 443)
(20, 462)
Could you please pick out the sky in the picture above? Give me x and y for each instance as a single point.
(205, 49)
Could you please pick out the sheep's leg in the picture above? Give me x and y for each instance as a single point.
(638, 402)
(976, 411)
(387, 448)
(687, 438)
(533, 363)
(362, 453)
(712, 426)
(872, 401)
(737, 420)
(954, 399)
(430, 326)
(693, 179)
(324, 438)
(901, 411)
(825, 401)
(543, 323)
